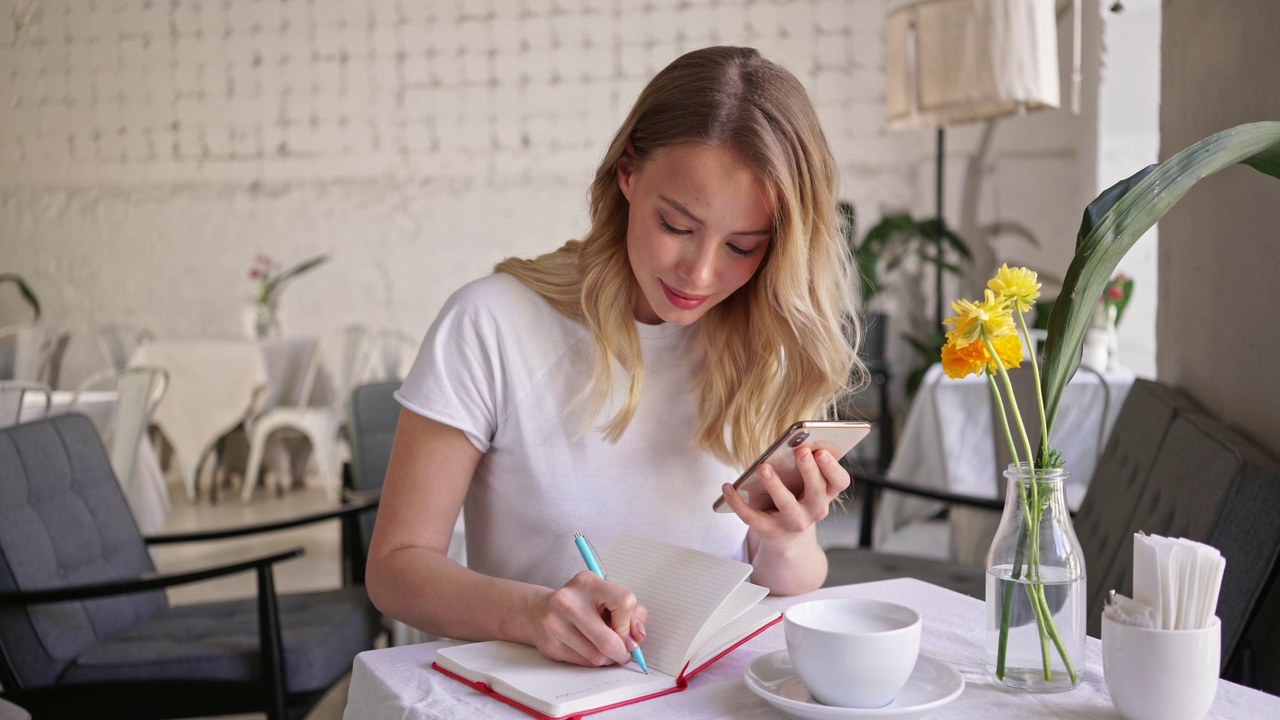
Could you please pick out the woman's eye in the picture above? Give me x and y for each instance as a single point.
(668, 228)
(742, 251)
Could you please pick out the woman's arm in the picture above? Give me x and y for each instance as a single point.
(411, 578)
(783, 543)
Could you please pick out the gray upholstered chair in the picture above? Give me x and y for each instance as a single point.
(84, 622)
(1168, 469)
(373, 415)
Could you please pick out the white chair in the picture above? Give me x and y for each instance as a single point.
(22, 349)
(49, 368)
(138, 391)
(395, 352)
(13, 393)
(322, 425)
(117, 341)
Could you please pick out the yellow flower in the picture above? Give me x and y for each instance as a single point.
(1018, 285)
(992, 316)
(972, 359)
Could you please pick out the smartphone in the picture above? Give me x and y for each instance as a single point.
(835, 436)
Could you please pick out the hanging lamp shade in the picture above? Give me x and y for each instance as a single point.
(956, 61)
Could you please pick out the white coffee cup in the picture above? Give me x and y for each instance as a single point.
(1157, 674)
(852, 653)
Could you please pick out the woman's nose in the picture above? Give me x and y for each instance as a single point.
(698, 266)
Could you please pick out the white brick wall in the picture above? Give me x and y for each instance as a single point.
(165, 90)
(148, 148)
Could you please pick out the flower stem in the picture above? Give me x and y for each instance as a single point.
(1006, 609)
(1004, 419)
(1013, 403)
(1033, 511)
(1035, 371)
(1032, 521)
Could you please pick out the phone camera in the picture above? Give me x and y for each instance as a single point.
(795, 441)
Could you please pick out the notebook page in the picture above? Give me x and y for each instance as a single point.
(680, 587)
(739, 627)
(739, 601)
(553, 688)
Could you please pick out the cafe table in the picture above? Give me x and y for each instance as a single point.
(399, 682)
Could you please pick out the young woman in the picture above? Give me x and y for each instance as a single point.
(619, 383)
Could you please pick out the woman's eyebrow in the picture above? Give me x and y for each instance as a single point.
(685, 211)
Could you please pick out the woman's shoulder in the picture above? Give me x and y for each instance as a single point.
(497, 294)
(493, 289)
(504, 300)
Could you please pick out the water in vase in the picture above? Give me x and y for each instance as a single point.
(1064, 596)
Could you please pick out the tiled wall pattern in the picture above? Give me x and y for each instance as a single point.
(109, 91)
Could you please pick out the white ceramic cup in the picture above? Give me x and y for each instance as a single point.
(852, 653)
(1161, 674)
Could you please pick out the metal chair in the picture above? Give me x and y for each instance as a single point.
(85, 624)
(117, 341)
(49, 370)
(22, 349)
(322, 426)
(13, 393)
(139, 390)
(394, 351)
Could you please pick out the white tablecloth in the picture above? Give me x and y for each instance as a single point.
(949, 441)
(147, 493)
(216, 384)
(400, 683)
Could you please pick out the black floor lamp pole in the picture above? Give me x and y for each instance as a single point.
(942, 226)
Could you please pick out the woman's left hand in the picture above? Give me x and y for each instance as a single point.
(824, 480)
(783, 543)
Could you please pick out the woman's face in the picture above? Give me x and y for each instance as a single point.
(698, 228)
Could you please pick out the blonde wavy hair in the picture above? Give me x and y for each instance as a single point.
(781, 348)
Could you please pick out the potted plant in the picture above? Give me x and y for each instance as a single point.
(887, 245)
(270, 276)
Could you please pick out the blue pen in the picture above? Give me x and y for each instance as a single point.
(584, 547)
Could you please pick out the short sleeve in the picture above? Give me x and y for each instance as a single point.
(454, 379)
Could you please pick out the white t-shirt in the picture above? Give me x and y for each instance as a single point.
(500, 364)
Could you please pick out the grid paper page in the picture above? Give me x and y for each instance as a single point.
(680, 587)
(551, 687)
(743, 598)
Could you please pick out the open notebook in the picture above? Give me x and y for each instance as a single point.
(700, 607)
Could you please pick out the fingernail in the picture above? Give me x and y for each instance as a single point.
(766, 472)
(805, 456)
(824, 457)
(632, 645)
(640, 630)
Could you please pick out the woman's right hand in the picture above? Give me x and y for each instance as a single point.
(590, 621)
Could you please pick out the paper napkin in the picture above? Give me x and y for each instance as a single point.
(1177, 579)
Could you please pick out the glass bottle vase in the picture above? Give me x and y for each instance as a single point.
(266, 321)
(1036, 587)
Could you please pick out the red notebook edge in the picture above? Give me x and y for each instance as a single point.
(682, 682)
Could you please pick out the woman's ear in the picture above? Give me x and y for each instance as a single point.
(626, 169)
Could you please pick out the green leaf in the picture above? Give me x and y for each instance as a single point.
(272, 287)
(24, 289)
(1114, 222)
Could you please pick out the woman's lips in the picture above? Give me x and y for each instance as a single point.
(681, 300)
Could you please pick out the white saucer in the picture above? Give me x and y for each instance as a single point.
(932, 684)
